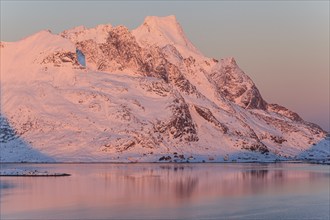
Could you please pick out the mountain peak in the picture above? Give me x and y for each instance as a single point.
(162, 31)
(155, 20)
(229, 61)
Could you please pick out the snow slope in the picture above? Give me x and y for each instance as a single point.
(146, 95)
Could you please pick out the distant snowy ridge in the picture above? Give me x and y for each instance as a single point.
(145, 95)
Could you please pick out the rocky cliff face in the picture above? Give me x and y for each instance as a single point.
(236, 86)
(146, 94)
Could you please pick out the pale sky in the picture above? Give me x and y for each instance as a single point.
(282, 45)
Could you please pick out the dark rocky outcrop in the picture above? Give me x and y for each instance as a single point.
(59, 58)
(236, 86)
(284, 112)
(208, 116)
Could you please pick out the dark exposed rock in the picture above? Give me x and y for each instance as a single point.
(178, 79)
(291, 127)
(58, 58)
(171, 51)
(154, 63)
(92, 53)
(284, 112)
(122, 48)
(181, 125)
(252, 99)
(158, 87)
(277, 139)
(121, 145)
(208, 116)
(256, 147)
(166, 158)
(236, 86)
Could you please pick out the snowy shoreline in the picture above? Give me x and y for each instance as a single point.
(321, 162)
(17, 172)
(29, 173)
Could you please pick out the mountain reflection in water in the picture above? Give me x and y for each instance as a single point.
(158, 190)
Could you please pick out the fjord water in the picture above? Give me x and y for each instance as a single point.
(168, 191)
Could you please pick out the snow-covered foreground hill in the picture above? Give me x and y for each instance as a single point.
(146, 95)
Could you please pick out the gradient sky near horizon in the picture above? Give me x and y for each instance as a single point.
(282, 45)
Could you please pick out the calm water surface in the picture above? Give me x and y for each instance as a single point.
(168, 191)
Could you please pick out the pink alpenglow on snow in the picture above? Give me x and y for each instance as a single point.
(146, 95)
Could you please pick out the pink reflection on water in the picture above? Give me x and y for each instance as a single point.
(112, 189)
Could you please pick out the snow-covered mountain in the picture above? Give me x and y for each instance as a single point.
(145, 95)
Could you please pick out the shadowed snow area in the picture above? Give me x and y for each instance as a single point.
(145, 95)
(15, 149)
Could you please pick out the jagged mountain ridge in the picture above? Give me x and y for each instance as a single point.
(145, 94)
